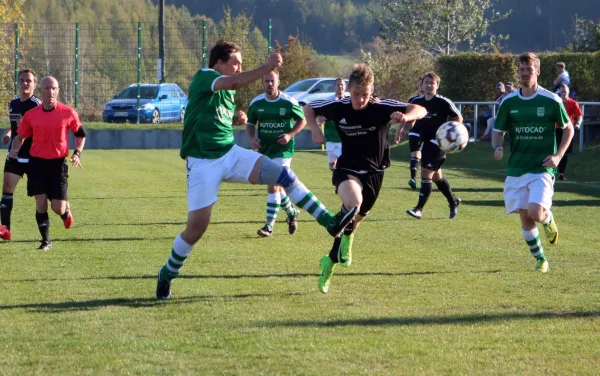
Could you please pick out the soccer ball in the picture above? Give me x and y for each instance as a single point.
(452, 137)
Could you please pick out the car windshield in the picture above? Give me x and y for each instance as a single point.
(301, 86)
(146, 92)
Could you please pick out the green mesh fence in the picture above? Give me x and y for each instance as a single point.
(92, 63)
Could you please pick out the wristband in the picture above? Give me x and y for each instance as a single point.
(77, 152)
(496, 147)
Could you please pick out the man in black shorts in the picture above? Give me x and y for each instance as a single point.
(363, 124)
(414, 141)
(439, 110)
(47, 174)
(15, 168)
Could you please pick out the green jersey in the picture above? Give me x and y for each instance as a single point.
(330, 128)
(530, 123)
(274, 118)
(207, 128)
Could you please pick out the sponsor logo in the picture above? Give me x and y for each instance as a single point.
(514, 111)
(541, 111)
(261, 110)
(343, 121)
(529, 130)
(222, 111)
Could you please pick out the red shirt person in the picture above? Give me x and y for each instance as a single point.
(576, 116)
(49, 125)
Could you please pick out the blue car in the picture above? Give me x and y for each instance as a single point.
(158, 103)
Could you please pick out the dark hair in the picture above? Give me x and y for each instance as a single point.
(28, 71)
(222, 50)
(528, 58)
(362, 75)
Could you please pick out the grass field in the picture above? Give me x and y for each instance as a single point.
(422, 297)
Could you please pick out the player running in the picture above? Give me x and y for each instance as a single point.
(363, 124)
(279, 118)
(439, 110)
(15, 168)
(529, 115)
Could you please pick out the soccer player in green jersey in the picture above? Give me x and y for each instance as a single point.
(279, 118)
(212, 157)
(333, 142)
(529, 115)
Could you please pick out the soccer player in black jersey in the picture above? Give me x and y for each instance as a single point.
(363, 124)
(14, 169)
(439, 110)
(414, 142)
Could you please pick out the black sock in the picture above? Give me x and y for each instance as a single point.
(350, 228)
(444, 187)
(64, 215)
(6, 206)
(562, 165)
(426, 187)
(414, 166)
(333, 254)
(43, 225)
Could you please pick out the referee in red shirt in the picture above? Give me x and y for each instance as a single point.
(49, 125)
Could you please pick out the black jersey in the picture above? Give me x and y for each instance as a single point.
(364, 133)
(16, 110)
(438, 108)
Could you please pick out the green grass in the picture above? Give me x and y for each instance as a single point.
(422, 297)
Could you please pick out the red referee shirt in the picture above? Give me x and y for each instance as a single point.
(573, 110)
(50, 130)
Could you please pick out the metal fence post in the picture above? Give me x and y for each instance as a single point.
(16, 59)
(270, 46)
(475, 123)
(204, 44)
(76, 65)
(139, 70)
(581, 132)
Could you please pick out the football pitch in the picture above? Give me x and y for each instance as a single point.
(422, 297)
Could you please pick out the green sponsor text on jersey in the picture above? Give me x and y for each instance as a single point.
(207, 129)
(274, 118)
(530, 123)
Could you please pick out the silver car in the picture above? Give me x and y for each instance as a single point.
(311, 89)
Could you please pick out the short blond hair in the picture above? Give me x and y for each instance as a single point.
(530, 57)
(433, 76)
(362, 75)
(562, 65)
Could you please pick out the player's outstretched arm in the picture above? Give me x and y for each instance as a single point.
(243, 79)
(414, 112)
(285, 138)
(311, 120)
(76, 157)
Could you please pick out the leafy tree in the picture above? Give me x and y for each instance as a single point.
(584, 36)
(439, 26)
(298, 61)
(10, 13)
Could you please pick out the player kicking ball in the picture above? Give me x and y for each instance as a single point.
(363, 124)
(279, 118)
(529, 115)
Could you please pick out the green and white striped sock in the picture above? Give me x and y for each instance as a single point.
(286, 204)
(532, 238)
(273, 203)
(179, 253)
(306, 200)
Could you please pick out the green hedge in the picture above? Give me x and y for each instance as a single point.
(472, 77)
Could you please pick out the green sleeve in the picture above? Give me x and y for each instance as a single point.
(297, 112)
(501, 123)
(252, 117)
(203, 81)
(562, 117)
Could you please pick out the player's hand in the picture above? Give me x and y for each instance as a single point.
(397, 117)
(284, 139)
(577, 126)
(255, 143)
(275, 61)
(240, 118)
(318, 138)
(552, 161)
(13, 153)
(321, 119)
(5, 138)
(499, 153)
(75, 161)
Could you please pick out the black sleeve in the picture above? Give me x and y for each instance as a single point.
(388, 106)
(81, 132)
(327, 108)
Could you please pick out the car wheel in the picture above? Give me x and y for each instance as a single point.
(155, 116)
(182, 115)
